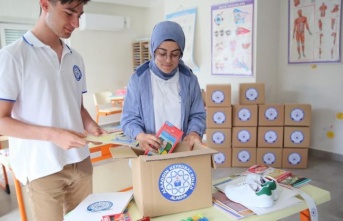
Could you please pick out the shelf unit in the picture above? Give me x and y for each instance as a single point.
(140, 52)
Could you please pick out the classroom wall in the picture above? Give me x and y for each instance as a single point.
(108, 54)
(265, 66)
(108, 58)
(320, 85)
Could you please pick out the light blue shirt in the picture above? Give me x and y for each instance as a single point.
(138, 111)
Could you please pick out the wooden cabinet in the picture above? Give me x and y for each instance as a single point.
(140, 53)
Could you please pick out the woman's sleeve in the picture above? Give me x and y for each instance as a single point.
(131, 120)
(197, 116)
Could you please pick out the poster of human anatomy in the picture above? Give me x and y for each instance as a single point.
(232, 38)
(314, 31)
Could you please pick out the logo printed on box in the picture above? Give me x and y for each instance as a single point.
(219, 117)
(271, 113)
(243, 156)
(297, 114)
(297, 137)
(218, 97)
(218, 137)
(219, 158)
(177, 182)
(294, 158)
(251, 94)
(269, 158)
(244, 114)
(243, 136)
(270, 136)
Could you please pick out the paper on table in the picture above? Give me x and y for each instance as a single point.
(97, 205)
(286, 196)
(115, 138)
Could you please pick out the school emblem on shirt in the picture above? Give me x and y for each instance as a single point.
(177, 182)
(77, 72)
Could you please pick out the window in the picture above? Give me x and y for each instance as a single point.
(11, 32)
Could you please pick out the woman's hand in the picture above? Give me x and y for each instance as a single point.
(191, 138)
(149, 142)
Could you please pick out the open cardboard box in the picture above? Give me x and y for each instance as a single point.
(170, 183)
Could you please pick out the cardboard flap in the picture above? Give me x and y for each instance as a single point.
(181, 151)
(125, 152)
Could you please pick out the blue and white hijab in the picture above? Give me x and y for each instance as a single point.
(165, 30)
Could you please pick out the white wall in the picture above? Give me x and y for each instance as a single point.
(108, 57)
(19, 10)
(202, 44)
(321, 86)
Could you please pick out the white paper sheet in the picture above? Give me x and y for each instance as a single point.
(97, 205)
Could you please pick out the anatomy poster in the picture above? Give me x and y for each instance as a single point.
(186, 19)
(232, 38)
(314, 31)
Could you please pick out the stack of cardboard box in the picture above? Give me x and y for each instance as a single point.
(245, 122)
(270, 134)
(218, 133)
(277, 135)
(296, 135)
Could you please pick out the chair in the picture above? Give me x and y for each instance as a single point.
(4, 186)
(103, 105)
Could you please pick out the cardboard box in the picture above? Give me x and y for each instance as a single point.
(244, 115)
(222, 159)
(243, 157)
(270, 137)
(251, 93)
(218, 138)
(203, 96)
(219, 117)
(3, 142)
(297, 115)
(244, 137)
(298, 137)
(218, 95)
(170, 183)
(271, 114)
(269, 156)
(294, 158)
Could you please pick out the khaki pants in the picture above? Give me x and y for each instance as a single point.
(53, 196)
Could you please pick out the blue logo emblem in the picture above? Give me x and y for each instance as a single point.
(100, 206)
(77, 72)
(177, 182)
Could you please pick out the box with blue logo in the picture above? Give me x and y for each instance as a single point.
(170, 183)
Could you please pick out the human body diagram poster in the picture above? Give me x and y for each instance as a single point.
(232, 38)
(314, 31)
(186, 19)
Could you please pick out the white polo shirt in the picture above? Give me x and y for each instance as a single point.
(45, 92)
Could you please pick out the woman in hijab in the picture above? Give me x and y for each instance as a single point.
(164, 89)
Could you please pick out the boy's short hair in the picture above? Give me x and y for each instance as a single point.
(70, 1)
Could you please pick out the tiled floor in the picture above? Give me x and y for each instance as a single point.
(325, 174)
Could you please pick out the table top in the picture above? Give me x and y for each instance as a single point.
(4, 159)
(3, 138)
(319, 195)
(116, 97)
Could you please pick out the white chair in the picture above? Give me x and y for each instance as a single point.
(103, 105)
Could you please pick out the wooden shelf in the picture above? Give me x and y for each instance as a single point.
(140, 53)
